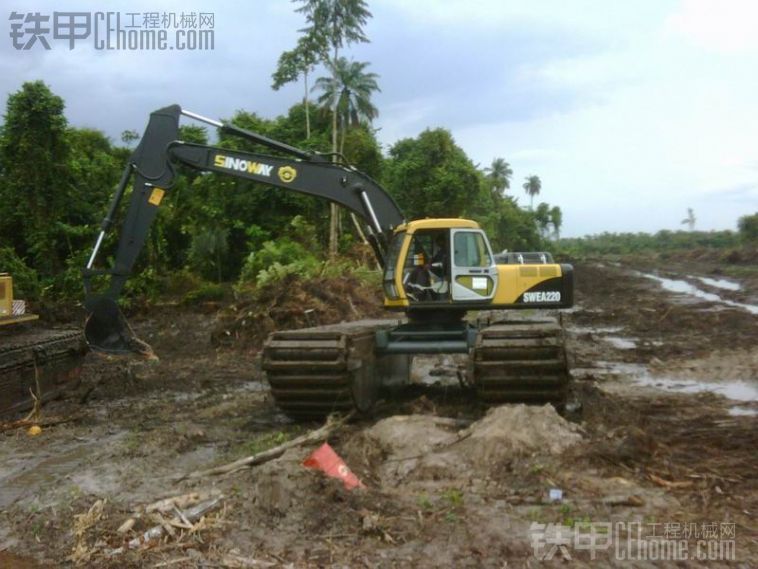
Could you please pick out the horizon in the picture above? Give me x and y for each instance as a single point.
(629, 114)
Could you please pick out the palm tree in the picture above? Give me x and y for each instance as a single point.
(542, 218)
(532, 186)
(556, 218)
(300, 61)
(499, 174)
(347, 93)
(690, 220)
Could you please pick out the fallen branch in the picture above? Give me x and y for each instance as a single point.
(173, 505)
(669, 484)
(25, 423)
(192, 515)
(319, 434)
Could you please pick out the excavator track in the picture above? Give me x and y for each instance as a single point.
(521, 361)
(316, 371)
(45, 361)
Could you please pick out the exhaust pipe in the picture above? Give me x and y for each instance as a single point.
(107, 331)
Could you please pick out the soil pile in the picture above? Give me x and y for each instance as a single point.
(421, 447)
(296, 303)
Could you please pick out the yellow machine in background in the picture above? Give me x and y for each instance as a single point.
(33, 358)
(12, 311)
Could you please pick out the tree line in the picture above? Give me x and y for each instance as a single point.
(56, 181)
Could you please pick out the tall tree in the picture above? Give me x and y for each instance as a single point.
(748, 227)
(310, 50)
(129, 137)
(690, 220)
(341, 23)
(36, 182)
(556, 219)
(349, 90)
(499, 174)
(532, 186)
(431, 176)
(542, 218)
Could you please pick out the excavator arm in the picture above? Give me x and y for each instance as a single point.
(152, 167)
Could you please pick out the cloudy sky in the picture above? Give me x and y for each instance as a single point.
(630, 112)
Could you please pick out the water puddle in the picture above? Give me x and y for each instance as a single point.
(743, 394)
(743, 411)
(720, 283)
(434, 370)
(24, 474)
(621, 343)
(596, 329)
(735, 390)
(683, 287)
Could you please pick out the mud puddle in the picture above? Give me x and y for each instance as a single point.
(683, 287)
(23, 475)
(720, 283)
(435, 370)
(742, 394)
(745, 392)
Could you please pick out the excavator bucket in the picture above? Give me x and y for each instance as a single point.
(107, 331)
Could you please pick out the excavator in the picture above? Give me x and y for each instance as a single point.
(435, 272)
(35, 361)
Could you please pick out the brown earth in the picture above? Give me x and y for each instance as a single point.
(649, 439)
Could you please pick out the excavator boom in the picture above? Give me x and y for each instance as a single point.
(152, 167)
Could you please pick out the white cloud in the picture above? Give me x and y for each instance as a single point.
(727, 26)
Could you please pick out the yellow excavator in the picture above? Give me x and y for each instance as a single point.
(33, 359)
(435, 272)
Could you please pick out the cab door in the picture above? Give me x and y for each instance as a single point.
(474, 274)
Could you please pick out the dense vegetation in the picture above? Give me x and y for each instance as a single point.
(663, 241)
(56, 181)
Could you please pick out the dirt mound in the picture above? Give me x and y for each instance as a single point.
(296, 303)
(518, 430)
(424, 447)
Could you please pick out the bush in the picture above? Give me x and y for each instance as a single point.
(748, 226)
(208, 292)
(277, 258)
(25, 280)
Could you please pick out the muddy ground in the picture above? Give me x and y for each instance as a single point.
(661, 433)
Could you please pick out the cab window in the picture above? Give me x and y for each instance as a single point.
(470, 250)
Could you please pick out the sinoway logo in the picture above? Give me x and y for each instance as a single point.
(241, 165)
(549, 296)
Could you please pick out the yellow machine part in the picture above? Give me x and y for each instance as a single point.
(6, 303)
(513, 280)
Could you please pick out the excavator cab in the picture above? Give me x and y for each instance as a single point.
(447, 265)
(437, 262)
(426, 274)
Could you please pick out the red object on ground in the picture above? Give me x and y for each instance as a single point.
(325, 459)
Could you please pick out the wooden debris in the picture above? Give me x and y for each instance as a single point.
(234, 560)
(633, 501)
(182, 501)
(318, 435)
(669, 484)
(191, 517)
